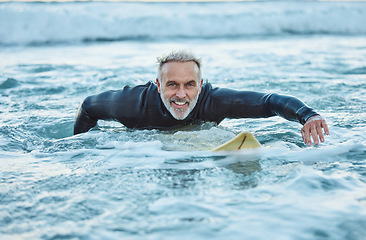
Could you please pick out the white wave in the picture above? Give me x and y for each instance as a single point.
(38, 23)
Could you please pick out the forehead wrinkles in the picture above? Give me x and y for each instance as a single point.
(167, 66)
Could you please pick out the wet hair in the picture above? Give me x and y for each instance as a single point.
(178, 56)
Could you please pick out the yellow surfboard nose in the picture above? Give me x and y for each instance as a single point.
(243, 140)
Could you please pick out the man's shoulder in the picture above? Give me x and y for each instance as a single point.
(148, 85)
(147, 88)
(206, 85)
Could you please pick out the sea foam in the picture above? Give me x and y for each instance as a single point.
(44, 23)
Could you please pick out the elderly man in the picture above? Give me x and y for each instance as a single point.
(180, 97)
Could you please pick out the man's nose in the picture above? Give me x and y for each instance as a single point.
(181, 93)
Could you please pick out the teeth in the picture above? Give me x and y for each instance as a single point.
(180, 103)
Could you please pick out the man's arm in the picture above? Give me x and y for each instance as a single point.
(119, 106)
(314, 124)
(124, 106)
(247, 104)
(83, 122)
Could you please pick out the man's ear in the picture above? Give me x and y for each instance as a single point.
(201, 85)
(158, 83)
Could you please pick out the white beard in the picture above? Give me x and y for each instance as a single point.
(179, 114)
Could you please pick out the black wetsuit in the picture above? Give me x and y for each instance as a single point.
(141, 107)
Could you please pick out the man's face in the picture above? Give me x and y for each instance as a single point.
(179, 87)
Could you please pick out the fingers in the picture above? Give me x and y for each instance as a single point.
(322, 125)
(325, 126)
(314, 134)
(305, 132)
(313, 128)
(320, 134)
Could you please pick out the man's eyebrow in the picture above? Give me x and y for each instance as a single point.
(192, 81)
(170, 81)
(173, 81)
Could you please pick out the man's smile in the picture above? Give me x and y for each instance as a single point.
(179, 104)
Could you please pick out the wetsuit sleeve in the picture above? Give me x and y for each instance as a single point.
(287, 107)
(83, 122)
(227, 103)
(123, 106)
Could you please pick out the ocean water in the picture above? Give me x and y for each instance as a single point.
(117, 183)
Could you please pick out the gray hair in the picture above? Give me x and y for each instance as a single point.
(178, 56)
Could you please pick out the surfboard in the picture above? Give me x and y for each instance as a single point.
(242, 141)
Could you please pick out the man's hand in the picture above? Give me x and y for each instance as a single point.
(313, 128)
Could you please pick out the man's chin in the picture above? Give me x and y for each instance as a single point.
(179, 115)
